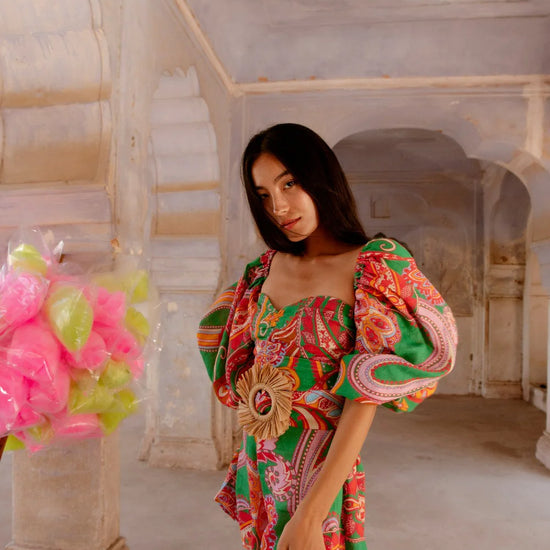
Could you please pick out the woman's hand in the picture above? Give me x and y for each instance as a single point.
(302, 532)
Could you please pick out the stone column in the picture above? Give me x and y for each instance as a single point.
(542, 249)
(67, 498)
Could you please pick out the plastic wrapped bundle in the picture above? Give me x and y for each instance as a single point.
(71, 348)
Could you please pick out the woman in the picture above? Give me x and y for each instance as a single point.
(320, 330)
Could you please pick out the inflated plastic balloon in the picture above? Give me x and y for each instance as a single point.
(109, 307)
(96, 400)
(116, 375)
(78, 426)
(27, 258)
(137, 324)
(92, 356)
(34, 352)
(21, 297)
(124, 405)
(50, 396)
(70, 315)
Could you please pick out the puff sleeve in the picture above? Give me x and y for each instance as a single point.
(224, 338)
(406, 335)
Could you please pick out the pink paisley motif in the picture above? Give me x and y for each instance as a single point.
(331, 524)
(248, 536)
(281, 479)
(269, 352)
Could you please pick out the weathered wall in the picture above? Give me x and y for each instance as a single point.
(56, 123)
(172, 142)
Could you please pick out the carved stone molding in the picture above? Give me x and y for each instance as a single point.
(55, 118)
(186, 265)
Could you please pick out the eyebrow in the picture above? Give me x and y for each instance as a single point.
(277, 178)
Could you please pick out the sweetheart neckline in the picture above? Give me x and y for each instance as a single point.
(305, 299)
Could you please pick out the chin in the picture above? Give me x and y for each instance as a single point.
(297, 238)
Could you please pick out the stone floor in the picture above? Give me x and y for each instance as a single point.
(458, 473)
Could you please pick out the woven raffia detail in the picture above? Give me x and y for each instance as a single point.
(279, 387)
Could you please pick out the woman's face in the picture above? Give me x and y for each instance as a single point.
(284, 199)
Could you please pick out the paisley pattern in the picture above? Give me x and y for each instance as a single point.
(390, 348)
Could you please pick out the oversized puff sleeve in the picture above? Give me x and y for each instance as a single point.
(224, 337)
(406, 335)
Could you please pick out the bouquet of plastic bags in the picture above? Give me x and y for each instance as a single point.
(71, 347)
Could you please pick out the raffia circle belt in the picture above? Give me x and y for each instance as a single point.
(266, 401)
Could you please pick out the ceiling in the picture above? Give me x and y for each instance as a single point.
(280, 40)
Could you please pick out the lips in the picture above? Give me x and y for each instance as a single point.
(289, 224)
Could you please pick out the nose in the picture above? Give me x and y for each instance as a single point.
(280, 205)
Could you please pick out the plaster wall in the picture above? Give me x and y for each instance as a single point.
(55, 67)
(153, 43)
(354, 39)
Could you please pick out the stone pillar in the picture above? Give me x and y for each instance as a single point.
(184, 428)
(542, 249)
(67, 498)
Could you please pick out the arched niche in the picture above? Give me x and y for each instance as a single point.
(419, 186)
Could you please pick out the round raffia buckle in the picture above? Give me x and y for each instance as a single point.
(261, 386)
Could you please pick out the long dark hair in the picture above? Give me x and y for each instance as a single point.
(315, 167)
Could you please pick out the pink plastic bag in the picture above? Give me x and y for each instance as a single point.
(70, 348)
